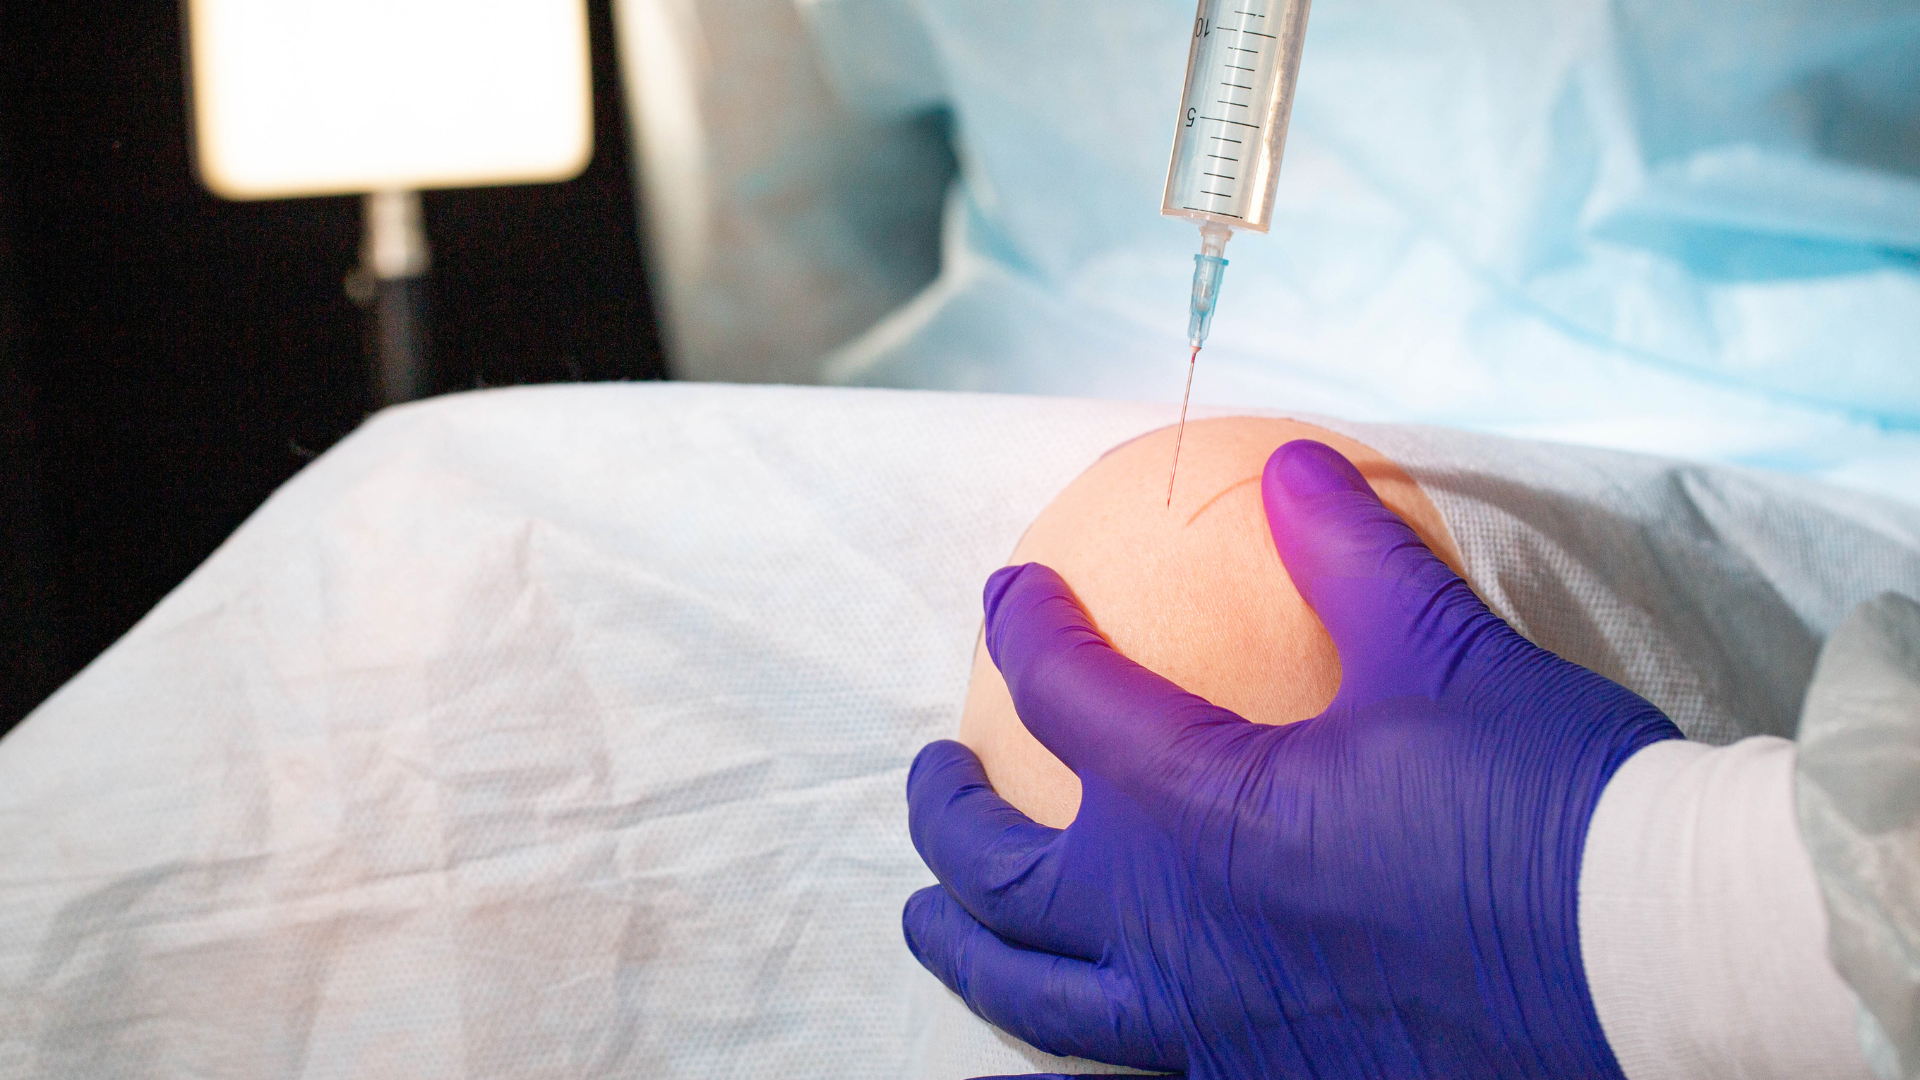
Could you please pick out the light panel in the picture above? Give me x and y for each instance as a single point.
(318, 97)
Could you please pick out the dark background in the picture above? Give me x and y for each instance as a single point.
(168, 359)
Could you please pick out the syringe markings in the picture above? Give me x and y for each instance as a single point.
(1242, 59)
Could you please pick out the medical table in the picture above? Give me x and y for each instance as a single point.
(562, 732)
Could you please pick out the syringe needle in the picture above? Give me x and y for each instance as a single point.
(1181, 437)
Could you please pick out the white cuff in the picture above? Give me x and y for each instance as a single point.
(1701, 923)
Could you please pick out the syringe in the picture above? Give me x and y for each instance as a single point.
(1241, 68)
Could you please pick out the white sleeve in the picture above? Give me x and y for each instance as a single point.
(1702, 927)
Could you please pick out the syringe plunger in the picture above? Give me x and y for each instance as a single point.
(1208, 268)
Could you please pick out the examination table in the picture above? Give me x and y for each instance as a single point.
(562, 732)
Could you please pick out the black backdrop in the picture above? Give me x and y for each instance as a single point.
(167, 359)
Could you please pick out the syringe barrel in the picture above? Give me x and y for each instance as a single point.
(1241, 67)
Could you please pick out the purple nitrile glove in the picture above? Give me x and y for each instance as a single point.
(1386, 890)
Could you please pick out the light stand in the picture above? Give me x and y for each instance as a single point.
(293, 98)
(390, 284)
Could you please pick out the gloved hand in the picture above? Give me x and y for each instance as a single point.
(1385, 890)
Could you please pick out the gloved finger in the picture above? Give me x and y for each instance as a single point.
(1396, 613)
(1003, 867)
(1097, 711)
(1059, 1004)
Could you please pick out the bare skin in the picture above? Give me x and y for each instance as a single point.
(1194, 592)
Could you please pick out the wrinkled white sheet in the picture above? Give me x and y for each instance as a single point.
(1858, 779)
(561, 732)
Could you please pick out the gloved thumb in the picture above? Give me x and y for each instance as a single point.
(1398, 615)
